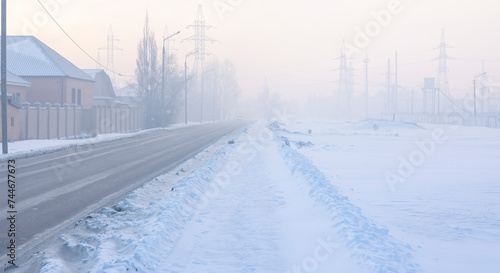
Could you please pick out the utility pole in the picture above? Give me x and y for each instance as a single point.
(474, 96)
(186, 88)
(478, 75)
(366, 61)
(213, 102)
(185, 93)
(163, 79)
(389, 93)
(395, 94)
(3, 53)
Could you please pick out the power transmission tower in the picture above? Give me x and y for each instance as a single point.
(110, 48)
(442, 85)
(345, 86)
(98, 64)
(199, 38)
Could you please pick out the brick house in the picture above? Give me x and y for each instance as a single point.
(53, 78)
(16, 91)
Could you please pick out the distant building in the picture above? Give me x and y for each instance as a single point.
(494, 100)
(16, 91)
(53, 78)
(128, 95)
(104, 93)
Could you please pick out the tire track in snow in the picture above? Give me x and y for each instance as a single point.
(372, 245)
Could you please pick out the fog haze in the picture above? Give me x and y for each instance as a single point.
(294, 44)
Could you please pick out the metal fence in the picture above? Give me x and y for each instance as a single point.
(491, 120)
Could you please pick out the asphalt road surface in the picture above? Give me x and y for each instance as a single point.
(55, 190)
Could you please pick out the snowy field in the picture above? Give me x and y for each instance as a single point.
(369, 196)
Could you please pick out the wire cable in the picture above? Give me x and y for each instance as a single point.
(83, 50)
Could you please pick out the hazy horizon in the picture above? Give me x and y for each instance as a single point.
(294, 44)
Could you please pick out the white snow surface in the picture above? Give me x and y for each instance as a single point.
(368, 196)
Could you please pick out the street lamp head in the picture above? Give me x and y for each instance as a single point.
(164, 39)
(191, 53)
(210, 70)
(480, 74)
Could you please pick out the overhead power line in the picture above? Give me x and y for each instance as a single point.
(83, 50)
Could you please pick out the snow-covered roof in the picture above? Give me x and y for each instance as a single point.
(13, 79)
(29, 57)
(128, 91)
(92, 72)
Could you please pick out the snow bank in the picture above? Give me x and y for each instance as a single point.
(371, 244)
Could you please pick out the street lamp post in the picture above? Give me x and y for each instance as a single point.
(3, 76)
(163, 79)
(213, 102)
(186, 87)
(475, 91)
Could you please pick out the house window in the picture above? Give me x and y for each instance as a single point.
(16, 97)
(79, 96)
(73, 95)
(11, 121)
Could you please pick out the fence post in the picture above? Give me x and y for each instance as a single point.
(122, 123)
(26, 105)
(118, 114)
(66, 106)
(74, 119)
(58, 109)
(81, 120)
(93, 118)
(129, 119)
(48, 105)
(99, 121)
(116, 119)
(37, 105)
(105, 118)
(97, 118)
(134, 121)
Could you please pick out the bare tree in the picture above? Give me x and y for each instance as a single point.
(230, 90)
(174, 87)
(148, 76)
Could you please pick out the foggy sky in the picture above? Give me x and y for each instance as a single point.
(293, 43)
